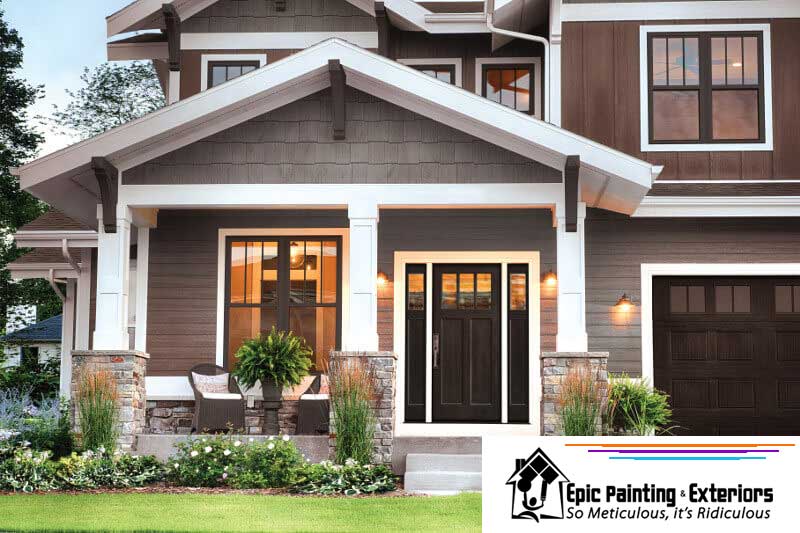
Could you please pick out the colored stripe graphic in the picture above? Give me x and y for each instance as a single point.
(656, 458)
(683, 451)
(667, 445)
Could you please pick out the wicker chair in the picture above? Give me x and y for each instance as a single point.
(217, 413)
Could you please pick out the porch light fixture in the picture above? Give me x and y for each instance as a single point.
(624, 304)
(550, 279)
(383, 279)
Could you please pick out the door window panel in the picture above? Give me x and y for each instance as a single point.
(732, 299)
(519, 292)
(449, 290)
(317, 325)
(483, 293)
(466, 291)
(416, 292)
(330, 273)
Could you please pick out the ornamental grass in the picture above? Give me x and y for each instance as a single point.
(98, 411)
(353, 390)
(579, 403)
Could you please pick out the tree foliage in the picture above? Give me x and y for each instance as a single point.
(112, 94)
(18, 143)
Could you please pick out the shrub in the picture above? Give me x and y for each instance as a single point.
(352, 391)
(97, 410)
(38, 380)
(580, 404)
(636, 407)
(26, 470)
(45, 426)
(349, 479)
(101, 469)
(226, 461)
(279, 357)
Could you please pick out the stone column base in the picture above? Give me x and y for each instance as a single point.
(555, 367)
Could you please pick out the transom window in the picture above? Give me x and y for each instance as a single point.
(290, 283)
(706, 87)
(221, 71)
(445, 73)
(509, 85)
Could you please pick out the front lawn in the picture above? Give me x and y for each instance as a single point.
(237, 512)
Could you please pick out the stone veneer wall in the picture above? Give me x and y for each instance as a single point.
(129, 368)
(166, 417)
(555, 367)
(384, 365)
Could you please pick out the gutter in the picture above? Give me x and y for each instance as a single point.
(489, 11)
(54, 284)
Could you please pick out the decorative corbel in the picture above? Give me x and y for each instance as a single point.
(107, 175)
(384, 29)
(571, 177)
(337, 92)
(172, 25)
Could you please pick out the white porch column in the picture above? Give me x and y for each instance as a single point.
(571, 335)
(113, 272)
(67, 338)
(82, 301)
(363, 334)
(142, 264)
(554, 68)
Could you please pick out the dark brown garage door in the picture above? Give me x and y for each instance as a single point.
(727, 351)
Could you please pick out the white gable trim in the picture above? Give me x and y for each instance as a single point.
(680, 10)
(718, 206)
(609, 178)
(146, 14)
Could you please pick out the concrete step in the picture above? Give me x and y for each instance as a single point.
(438, 482)
(425, 462)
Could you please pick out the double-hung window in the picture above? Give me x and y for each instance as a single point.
(706, 88)
(221, 71)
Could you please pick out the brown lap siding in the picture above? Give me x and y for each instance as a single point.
(617, 245)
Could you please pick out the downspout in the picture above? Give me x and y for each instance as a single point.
(68, 256)
(489, 10)
(52, 281)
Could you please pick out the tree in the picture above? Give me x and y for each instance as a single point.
(111, 95)
(18, 143)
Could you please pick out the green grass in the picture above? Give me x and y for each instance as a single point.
(237, 512)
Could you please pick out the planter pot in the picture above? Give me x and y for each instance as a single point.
(272, 403)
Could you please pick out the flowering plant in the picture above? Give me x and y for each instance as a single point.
(349, 479)
(102, 469)
(205, 462)
(272, 463)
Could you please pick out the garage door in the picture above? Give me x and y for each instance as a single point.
(727, 351)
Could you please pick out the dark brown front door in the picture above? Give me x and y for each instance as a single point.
(466, 349)
(727, 351)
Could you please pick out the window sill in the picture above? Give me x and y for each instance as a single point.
(731, 147)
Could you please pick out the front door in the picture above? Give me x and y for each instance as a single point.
(466, 343)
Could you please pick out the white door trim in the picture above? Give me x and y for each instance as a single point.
(429, 258)
(650, 270)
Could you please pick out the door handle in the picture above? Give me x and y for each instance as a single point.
(435, 350)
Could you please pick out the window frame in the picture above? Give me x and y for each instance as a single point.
(436, 62)
(481, 63)
(207, 59)
(227, 64)
(282, 306)
(705, 88)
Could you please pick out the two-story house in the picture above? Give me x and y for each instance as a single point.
(466, 184)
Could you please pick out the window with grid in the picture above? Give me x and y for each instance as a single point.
(706, 87)
(445, 73)
(220, 72)
(509, 85)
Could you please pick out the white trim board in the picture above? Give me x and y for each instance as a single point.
(224, 233)
(537, 76)
(455, 61)
(205, 59)
(650, 270)
(699, 10)
(644, 96)
(430, 258)
(718, 206)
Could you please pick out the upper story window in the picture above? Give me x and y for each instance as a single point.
(445, 73)
(514, 82)
(706, 90)
(219, 72)
(446, 69)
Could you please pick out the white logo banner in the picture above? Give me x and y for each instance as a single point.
(584, 484)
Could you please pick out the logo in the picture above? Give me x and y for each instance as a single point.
(537, 488)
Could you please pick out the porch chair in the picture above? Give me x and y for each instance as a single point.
(313, 413)
(218, 401)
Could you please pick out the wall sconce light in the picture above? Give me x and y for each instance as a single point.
(383, 279)
(550, 279)
(624, 304)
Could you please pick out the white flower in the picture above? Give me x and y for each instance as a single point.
(251, 439)
(207, 449)
(271, 437)
(194, 453)
(225, 469)
(224, 476)
(285, 438)
(176, 465)
(101, 449)
(237, 443)
(226, 453)
(203, 440)
(351, 462)
(271, 446)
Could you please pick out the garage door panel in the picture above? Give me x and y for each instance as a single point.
(727, 351)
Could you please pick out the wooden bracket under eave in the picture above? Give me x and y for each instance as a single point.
(572, 170)
(384, 29)
(107, 175)
(337, 93)
(172, 23)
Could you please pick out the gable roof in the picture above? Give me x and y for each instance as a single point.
(48, 330)
(609, 178)
(54, 220)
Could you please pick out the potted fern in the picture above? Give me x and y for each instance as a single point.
(277, 360)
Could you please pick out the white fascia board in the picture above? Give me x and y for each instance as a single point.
(145, 14)
(42, 270)
(408, 15)
(700, 10)
(339, 196)
(718, 206)
(134, 51)
(55, 239)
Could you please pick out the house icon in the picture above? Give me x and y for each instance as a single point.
(537, 488)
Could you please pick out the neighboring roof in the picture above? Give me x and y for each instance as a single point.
(609, 178)
(54, 220)
(45, 331)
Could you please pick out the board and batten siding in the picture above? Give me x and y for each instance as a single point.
(600, 100)
(385, 144)
(466, 230)
(616, 247)
(182, 279)
(252, 16)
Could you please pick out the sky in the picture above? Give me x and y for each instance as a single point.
(61, 37)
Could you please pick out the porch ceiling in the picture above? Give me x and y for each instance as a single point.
(609, 179)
